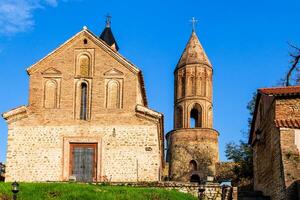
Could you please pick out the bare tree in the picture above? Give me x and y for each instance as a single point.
(295, 60)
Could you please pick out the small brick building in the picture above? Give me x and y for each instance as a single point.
(275, 139)
(87, 118)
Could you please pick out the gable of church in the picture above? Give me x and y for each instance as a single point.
(85, 69)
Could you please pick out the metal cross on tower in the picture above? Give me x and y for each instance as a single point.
(108, 20)
(194, 22)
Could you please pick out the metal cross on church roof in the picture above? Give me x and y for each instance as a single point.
(194, 22)
(108, 20)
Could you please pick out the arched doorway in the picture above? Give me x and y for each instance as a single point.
(195, 178)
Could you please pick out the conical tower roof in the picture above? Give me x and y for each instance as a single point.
(193, 53)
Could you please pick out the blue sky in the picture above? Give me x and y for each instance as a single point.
(246, 42)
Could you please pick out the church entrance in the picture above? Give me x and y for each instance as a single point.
(83, 162)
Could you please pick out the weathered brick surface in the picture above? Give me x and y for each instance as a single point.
(129, 137)
(275, 153)
(288, 108)
(193, 150)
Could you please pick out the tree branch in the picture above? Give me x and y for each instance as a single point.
(295, 62)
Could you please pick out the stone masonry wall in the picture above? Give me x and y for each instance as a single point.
(126, 153)
(200, 145)
(268, 174)
(290, 156)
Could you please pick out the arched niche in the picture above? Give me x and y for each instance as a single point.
(84, 65)
(113, 94)
(193, 165)
(50, 94)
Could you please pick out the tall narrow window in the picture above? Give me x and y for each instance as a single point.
(83, 101)
(196, 116)
(50, 94)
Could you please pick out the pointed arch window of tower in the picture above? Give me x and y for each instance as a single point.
(83, 102)
(196, 116)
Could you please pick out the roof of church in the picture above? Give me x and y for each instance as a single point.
(193, 53)
(108, 37)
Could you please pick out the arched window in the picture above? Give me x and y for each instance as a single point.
(84, 63)
(179, 116)
(50, 94)
(83, 101)
(196, 116)
(193, 165)
(113, 94)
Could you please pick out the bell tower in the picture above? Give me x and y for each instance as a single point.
(193, 144)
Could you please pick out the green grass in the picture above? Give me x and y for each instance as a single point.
(73, 191)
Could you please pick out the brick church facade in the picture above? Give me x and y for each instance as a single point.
(87, 118)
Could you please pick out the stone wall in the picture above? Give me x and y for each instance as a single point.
(212, 191)
(199, 145)
(125, 153)
(275, 152)
(267, 159)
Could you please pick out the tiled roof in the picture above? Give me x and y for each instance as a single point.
(287, 123)
(280, 91)
(193, 53)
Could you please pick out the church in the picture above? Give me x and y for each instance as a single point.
(88, 120)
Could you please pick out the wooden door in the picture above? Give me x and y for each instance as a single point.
(83, 162)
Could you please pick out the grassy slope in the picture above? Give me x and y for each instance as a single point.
(73, 191)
